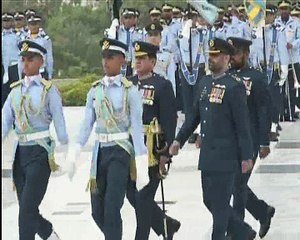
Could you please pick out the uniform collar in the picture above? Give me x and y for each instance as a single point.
(6, 31)
(288, 21)
(114, 80)
(36, 79)
(37, 34)
(130, 29)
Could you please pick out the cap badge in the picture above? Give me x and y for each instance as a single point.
(211, 43)
(137, 47)
(230, 42)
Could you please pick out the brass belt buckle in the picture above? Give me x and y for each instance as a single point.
(23, 138)
(103, 137)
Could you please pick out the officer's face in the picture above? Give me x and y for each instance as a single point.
(218, 62)
(31, 64)
(112, 64)
(6, 24)
(154, 39)
(284, 12)
(34, 27)
(177, 15)
(194, 19)
(220, 15)
(167, 14)
(155, 17)
(129, 21)
(202, 21)
(19, 22)
(270, 18)
(144, 64)
(239, 59)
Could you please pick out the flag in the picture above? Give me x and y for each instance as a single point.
(256, 11)
(208, 11)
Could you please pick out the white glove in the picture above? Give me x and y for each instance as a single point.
(62, 148)
(5, 77)
(142, 178)
(72, 157)
(284, 74)
(113, 29)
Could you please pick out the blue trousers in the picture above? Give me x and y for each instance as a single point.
(31, 173)
(107, 200)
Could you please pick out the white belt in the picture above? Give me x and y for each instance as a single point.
(33, 136)
(14, 62)
(104, 138)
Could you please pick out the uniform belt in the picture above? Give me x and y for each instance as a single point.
(201, 65)
(109, 137)
(152, 129)
(33, 136)
(14, 62)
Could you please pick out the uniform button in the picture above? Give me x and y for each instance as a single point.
(206, 108)
(213, 83)
(203, 135)
(204, 121)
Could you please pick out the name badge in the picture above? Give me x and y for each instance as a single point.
(217, 94)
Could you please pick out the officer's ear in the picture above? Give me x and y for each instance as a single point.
(227, 58)
(41, 59)
(122, 59)
(153, 59)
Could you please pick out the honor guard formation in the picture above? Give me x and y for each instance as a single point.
(233, 82)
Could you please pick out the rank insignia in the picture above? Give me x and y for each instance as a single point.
(105, 45)
(148, 95)
(25, 47)
(217, 94)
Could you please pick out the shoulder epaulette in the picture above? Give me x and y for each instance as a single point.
(126, 82)
(46, 83)
(94, 84)
(14, 84)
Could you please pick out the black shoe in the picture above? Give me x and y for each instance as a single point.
(279, 128)
(172, 227)
(265, 225)
(251, 234)
(273, 137)
(193, 138)
(288, 119)
(296, 115)
(228, 236)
